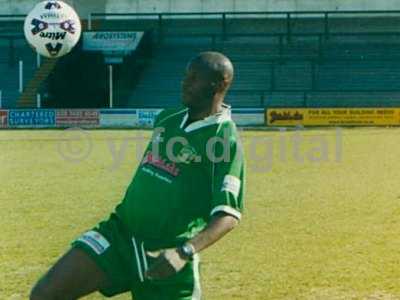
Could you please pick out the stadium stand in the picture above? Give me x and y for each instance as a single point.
(283, 60)
(283, 72)
(13, 50)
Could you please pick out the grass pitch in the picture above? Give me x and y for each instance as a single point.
(322, 214)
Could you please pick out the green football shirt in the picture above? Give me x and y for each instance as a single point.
(188, 173)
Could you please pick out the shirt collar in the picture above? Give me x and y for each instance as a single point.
(220, 117)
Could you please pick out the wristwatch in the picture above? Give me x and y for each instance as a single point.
(187, 250)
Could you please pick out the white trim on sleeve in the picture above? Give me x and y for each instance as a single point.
(227, 209)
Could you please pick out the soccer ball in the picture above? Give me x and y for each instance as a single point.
(52, 28)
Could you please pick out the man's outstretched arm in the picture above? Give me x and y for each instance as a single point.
(219, 225)
(170, 261)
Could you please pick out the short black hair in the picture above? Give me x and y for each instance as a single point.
(215, 63)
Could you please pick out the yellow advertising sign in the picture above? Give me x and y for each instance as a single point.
(332, 116)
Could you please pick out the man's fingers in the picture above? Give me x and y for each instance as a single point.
(153, 254)
(160, 272)
(163, 266)
(156, 272)
(153, 270)
(151, 273)
(160, 269)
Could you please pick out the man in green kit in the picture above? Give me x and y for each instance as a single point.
(186, 194)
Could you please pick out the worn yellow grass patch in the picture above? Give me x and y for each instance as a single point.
(322, 214)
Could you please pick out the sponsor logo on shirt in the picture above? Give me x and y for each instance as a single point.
(161, 164)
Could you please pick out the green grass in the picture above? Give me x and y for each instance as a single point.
(312, 230)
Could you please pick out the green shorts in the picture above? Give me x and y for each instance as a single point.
(123, 258)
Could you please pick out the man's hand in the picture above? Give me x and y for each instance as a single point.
(168, 262)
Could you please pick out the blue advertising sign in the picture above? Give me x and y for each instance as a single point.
(146, 117)
(31, 117)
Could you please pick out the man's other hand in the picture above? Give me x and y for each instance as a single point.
(168, 262)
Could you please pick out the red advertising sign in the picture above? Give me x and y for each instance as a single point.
(3, 118)
(77, 117)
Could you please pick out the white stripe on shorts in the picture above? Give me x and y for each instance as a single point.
(146, 267)
(139, 266)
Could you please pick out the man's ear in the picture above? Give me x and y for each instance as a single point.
(221, 86)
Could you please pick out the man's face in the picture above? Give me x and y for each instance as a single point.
(198, 87)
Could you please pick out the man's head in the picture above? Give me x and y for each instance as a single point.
(207, 79)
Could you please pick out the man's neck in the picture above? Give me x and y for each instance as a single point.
(195, 115)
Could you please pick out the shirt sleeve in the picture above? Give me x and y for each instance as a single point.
(228, 181)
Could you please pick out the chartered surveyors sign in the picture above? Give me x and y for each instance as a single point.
(332, 116)
(31, 117)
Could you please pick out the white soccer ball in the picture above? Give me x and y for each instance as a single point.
(52, 28)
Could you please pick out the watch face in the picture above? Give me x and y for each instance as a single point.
(187, 250)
